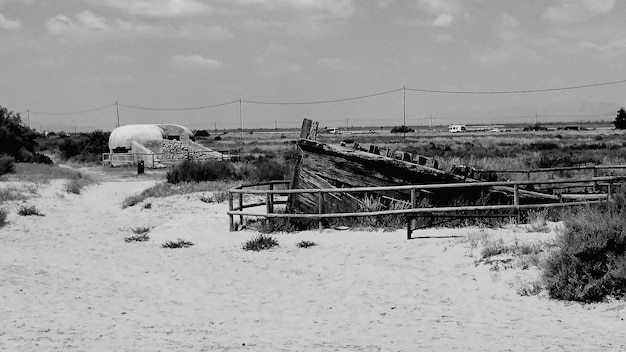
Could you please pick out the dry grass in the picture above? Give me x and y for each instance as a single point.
(164, 189)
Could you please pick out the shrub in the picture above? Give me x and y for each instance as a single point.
(306, 244)
(7, 164)
(140, 230)
(590, 263)
(259, 243)
(180, 243)
(4, 214)
(137, 238)
(402, 129)
(198, 171)
(24, 210)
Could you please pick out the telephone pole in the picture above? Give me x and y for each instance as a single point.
(241, 124)
(117, 108)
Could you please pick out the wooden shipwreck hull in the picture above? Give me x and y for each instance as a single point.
(325, 166)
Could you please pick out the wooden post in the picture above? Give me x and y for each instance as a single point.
(241, 208)
(320, 204)
(411, 220)
(595, 183)
(230, 208)
(268, 206)
(609, 196)
(516, 202)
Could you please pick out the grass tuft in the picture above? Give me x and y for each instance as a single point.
(143, 237)
(4, 214)
(306, 244)
(259, 243)
(179, 243)
(24, 210)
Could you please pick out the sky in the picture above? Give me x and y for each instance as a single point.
(73, 64)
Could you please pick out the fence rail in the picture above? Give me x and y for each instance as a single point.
(266, 197)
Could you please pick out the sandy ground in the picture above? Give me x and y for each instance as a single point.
(69, 282)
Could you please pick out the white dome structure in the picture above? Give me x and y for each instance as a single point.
(150, 136)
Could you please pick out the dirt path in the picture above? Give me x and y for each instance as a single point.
(69, 282)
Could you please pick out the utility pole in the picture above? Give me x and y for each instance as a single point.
(276, 126)
(404, 113)
(28, 113)
(241, 123)
(215, 125)
(347, 128)
(536, 119)
(431, 122)
(117, 108)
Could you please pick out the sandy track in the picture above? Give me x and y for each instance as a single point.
(69, 282)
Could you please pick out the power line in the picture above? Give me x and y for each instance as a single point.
(322, 101)
(179, 109)
(73, 112)
(514, 91)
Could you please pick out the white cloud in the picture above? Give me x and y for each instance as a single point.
(507, 21)
(195, 62)
(506, 53)
(279, 59)
(6, 23)
(443, 20)
(157, 8)
(574, 11)
(87, 26)
(324, 8)
(336, 64)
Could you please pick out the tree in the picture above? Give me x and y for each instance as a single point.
(16, 140)
(620, 119)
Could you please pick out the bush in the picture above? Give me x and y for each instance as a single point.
(24, 210)
(7, 164)
(259, 243)
(198, 171)
(402, 129)
(180, 243)
(590, 264)
(140, 234)
(306, 244)
(4, 214)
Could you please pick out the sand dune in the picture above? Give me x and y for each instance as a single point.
(69, 282)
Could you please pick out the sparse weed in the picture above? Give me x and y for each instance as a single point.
(530, 289)
(140, 230)
(76, 184)
(306, 244)
(4, 214)
(180, 243)
(147, 205)
(25, 210)
(142, 237)
(537, 221)
(259, 243)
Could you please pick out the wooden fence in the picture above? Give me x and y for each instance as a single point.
(264, 200)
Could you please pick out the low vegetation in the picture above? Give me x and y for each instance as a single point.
(179, 243)
(165, 189)
(4, 216)
(306, 244)
(28, 210)
(77, 183)
(140, 234)
(590, 262)
(260, 243)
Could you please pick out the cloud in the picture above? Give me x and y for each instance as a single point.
(336, 64)
(157, 8)
(443, 20)
(6, 23)
(195, 62)
(444, 11)
(575, 11)
(279, 59)
(327, 9)
(507, 21)
(89, 26)
(506, 53)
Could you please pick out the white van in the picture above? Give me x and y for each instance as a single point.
(457, 128)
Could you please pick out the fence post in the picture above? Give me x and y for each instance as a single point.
(241, 208)
(411, 221)
(320, 204)
(269, 209)
(516, 202)
(595, 183)
(230, 208)
(609, 196)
